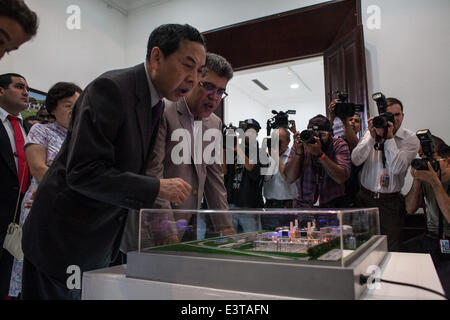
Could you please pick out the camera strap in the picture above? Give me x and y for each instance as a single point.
(441, 216)
(379, 146)
(318, 172)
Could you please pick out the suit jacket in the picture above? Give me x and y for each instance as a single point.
(82, 202)
(204, 178)
(9, 187)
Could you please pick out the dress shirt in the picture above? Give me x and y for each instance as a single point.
(399, 153)
(197, 132)
(275, 187)
(155, 98)
(10, 131)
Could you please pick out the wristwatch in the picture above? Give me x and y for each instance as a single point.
(321, 156)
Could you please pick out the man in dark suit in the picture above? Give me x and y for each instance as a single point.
(18, 24)
(13, 100)
(79, 213)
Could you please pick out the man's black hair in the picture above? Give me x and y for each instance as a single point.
(6, 79)
(60, 91)
(219, 65)
(18, 11)
(392, 101)
(168, 37)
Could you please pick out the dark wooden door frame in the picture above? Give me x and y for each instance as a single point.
(288, 36)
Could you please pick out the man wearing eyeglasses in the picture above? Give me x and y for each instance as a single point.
(194, 115)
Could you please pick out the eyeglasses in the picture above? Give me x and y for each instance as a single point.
(211, 88)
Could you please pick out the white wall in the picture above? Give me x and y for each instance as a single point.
(58, 54)
(408, 58)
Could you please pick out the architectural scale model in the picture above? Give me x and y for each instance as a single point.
(291, 242)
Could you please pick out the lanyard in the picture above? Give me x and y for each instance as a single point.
(441, 218)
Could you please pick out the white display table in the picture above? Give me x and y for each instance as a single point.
(112, 284)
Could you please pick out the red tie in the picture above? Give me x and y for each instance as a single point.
(23, 172)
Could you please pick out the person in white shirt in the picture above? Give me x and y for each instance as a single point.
(277, 192)
(383, 173)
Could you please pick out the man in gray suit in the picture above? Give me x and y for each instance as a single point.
(81, 206)
(190, 119)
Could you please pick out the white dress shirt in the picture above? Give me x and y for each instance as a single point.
(275, 187)
(399, 153)
(154, 96)
(10, 131)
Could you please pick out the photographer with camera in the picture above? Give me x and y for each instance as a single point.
(320, 163)
(243, 179)
(386, 151)
(352, 127)
(431, 190)
(277, 192)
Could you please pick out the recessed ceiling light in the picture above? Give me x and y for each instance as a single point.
(295, 86)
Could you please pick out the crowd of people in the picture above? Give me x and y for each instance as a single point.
(82, 172)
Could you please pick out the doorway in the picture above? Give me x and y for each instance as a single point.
(331, 29)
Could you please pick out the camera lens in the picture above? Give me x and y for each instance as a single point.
(380, 122)
(419, 164)
(307, 136)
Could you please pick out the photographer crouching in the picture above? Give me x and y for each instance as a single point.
(386, 151)
(431, 190)
(320, 163)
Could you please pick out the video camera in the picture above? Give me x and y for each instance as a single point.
(426, 141)
(229, 130)
(381, 122)
(280, 120)
(345, 109)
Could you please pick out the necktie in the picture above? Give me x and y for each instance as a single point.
(23, 172)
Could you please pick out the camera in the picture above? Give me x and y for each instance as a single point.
(381, 122)
(280, 120)
(426, 141)
(345, 109)
(308, 136)
(229, 130)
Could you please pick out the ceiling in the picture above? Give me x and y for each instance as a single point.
(307, 75)
(125, 6)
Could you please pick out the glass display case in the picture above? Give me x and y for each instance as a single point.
(260, 250)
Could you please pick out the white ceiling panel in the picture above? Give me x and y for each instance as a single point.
(307, 74)
(125, 6)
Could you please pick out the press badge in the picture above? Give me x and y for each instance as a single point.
(384, 181)
(445, 247)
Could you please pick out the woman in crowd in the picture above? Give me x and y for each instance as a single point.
(43, 144)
